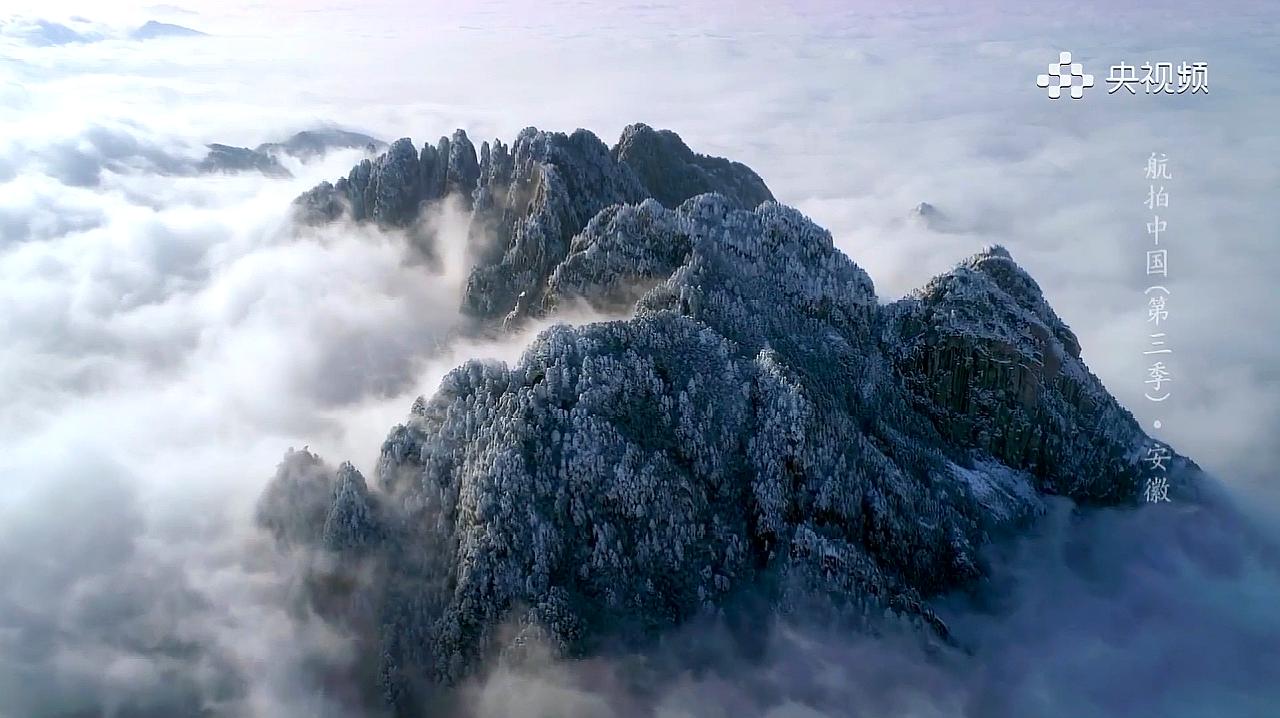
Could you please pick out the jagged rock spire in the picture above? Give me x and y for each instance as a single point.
(529, 200)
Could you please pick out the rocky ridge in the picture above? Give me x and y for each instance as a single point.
(761, 424)
(265, 158)
(527, 199)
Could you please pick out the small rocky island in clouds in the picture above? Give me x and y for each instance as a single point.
(305, 145)
(152, 29)
(39, 32)
(762, 433)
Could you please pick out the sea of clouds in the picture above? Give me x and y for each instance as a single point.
(166, 335)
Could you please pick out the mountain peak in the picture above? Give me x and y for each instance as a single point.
(673, 173)
(152, 29)
(527, 200)
(760, 423)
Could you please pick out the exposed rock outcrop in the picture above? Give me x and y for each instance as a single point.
(672, 172)
(528, 199)
(995, 369)
(392, 188)
(530, 207)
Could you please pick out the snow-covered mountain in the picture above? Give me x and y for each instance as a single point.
(762, 423)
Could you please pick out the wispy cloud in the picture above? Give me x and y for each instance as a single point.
(163, 336)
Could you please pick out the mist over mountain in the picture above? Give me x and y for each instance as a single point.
(762, 426)
(305, 146)
(528, 200)
(598, 423)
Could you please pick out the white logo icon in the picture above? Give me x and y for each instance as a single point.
(1065, 74)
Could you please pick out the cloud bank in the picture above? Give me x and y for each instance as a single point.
(164, 337)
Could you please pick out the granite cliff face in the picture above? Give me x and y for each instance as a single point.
(673, 173)
(762, 424)
(993, 367)
(528, 199)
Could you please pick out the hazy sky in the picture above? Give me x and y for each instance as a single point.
(163, 338)
(854, 113)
